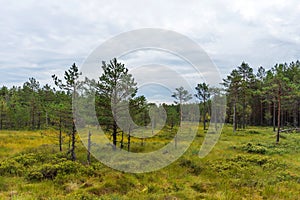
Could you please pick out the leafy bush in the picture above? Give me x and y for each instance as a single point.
(250, 148)
(253, 159)
(269, 149)
(287, 176)
(34, 176)
(49, 171)
(11, 167)
(59, 170)
(26, 159)
(242, 164)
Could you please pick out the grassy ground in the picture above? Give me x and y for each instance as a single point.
(243, 165)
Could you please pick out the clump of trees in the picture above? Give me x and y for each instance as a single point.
(268, 98)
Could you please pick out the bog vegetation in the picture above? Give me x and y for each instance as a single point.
(257, 157)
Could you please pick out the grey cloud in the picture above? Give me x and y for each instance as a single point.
(51, 35)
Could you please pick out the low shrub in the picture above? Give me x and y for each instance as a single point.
(250, 148)
(26, 159)
(11, 167)
(192, 166)
(263, 149)
(34, 176)
(253, 132)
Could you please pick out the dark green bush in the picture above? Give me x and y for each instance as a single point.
(26, 159)
(49, 171)
(250, 148)
(11, 167)
(59, 171)
(34, 176)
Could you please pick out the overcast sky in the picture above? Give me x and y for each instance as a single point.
(40, 38)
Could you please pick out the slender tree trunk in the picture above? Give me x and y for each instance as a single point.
(204, 115)
(32, 118)
(69, 145)
(261, 112)
(60, 134)
(114, 135)
(274, 116)
(282, 119)
(39, 120)
(278, 115)
(128, 144)
(114, 109)
(122, 139)
(73, 155)
(234, 116)
(244, 112)
(89, 148)
(176, 138)
(1, 121)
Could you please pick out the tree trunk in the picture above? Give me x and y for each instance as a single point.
(261, 112)
(278, 115)
(32, 118)
(39, 120)
(1, 121)
(89, 148)
(244, 113)
(73, 155)
(234, 116)
(204, 115)
(274, 116)
(122, 139)
(128, 144)
(115, 135)
(60, 134)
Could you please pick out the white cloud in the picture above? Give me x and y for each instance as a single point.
(51, 35)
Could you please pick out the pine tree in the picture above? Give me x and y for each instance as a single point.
(203, 95)
(71, 82)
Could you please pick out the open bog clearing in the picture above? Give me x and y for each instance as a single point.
(247, 164)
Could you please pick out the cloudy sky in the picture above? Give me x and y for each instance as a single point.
(41, 38)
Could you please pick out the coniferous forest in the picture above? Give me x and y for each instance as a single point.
(257, 156)
(255, 97)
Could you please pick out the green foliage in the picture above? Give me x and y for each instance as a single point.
(269, 149)
(34, 176)
(11, 167)
(250, 148)
(58, 171)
